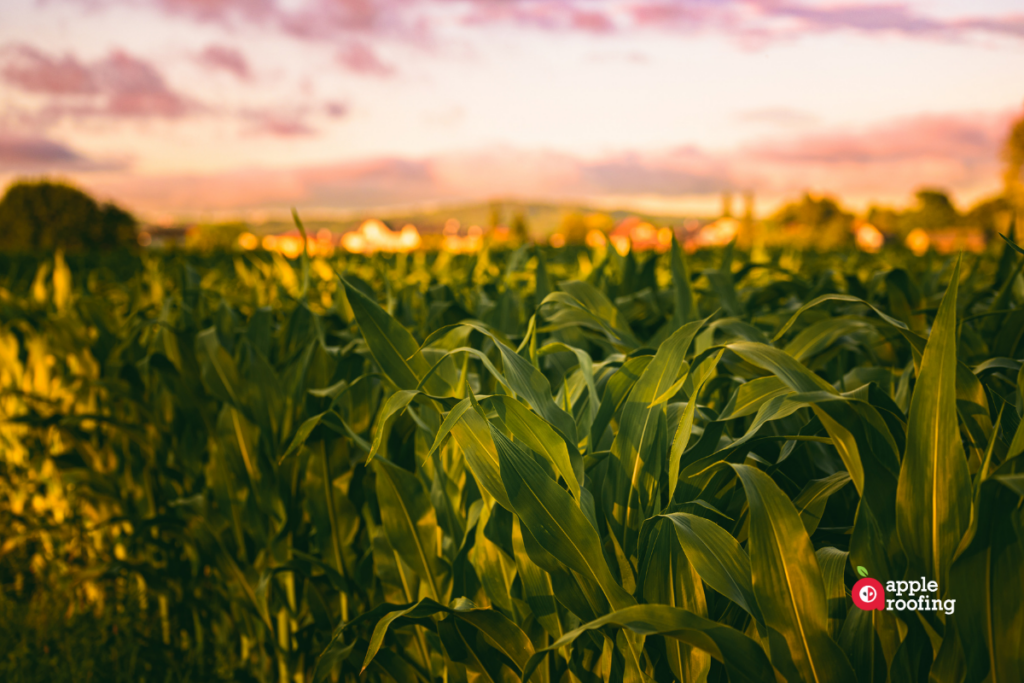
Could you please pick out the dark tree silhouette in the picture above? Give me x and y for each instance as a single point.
(42, 216)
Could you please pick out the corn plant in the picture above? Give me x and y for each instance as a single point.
(545, 465)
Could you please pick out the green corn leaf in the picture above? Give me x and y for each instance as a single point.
(616, 389)
(394, 406)
(537, 587)
(833, 565)
(639, 464)
(500, 633)
(410, 524)
(718, 558)
(551, 516)
(811, 501)
(540, 437)
(683, 431)
(685, 301)
(863, 647)
(744, 661)
(586, 369)
(666, 576)
(792, 373)
(750, 396)
(788, 585)
(985, 581)
(933, 500)
(472, 432)
(216, 367)
(392, 346)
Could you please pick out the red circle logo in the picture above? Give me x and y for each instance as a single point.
(868, 594)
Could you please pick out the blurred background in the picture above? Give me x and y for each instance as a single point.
(549, 118)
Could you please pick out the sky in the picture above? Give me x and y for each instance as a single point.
(191, 108)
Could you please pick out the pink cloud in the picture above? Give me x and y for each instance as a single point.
(34, 154)
(220, 10)
(756, 22)
(29, 69)
(336, 110)
(118, 86)
(361, 58)
(135, 88)
(278, 124)
(753, 22)
(319, 19)
(227, 59)
(960, 152)
(18, 152)
(887, 162)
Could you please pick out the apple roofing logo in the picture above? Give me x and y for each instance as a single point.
(868, 593)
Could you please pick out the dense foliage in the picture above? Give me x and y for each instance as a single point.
(558, 465)
(44, 215)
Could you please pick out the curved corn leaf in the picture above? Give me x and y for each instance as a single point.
(744, 661)
(539, 436)
(788, 585)
(667, 577)
(395, 404)
(718, 558)
(640, 463)
(410, 524)
(392, 346)
(933, 500)
(551, 516)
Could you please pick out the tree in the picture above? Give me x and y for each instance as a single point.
(42, 216)
(934, 210)
(814, 222)
(991, 215)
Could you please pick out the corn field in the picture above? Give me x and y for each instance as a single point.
(554, 465)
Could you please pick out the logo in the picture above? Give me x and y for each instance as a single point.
(868, 593)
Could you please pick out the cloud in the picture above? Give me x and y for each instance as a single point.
(277, 124)
(117, 86)
(886, 162)
(966, 138)
(759, 21)
(776, 116)
(34, 154)
(319, 19)
(754, 23)
(336, 110)
(134, 87)
(956, 151)
(362, 59)
(29, 69)
(683, 171)
(590, 17)
(227, 59)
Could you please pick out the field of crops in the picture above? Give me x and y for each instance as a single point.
(561, 465)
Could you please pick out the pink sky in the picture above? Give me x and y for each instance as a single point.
(215, 107)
